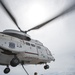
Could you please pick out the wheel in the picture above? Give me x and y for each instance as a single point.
(14, 62)
(35, 73)
(46, 67)
(6, 70)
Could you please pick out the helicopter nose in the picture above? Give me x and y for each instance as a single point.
(53, 59)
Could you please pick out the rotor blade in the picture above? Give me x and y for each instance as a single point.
(68, 10)
(9, 13)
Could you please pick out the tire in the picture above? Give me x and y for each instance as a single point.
(46, 67)
(14, 62)
(6, 70)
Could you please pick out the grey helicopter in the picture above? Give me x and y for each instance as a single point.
(17, 47)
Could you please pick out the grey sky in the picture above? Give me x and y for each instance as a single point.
(58, 36)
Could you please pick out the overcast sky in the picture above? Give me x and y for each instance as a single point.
(58, 36)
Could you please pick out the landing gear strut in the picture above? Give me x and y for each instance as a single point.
(14, 62)
(46, 66)
(7, 70)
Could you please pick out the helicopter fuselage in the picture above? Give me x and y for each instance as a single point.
(30, 51)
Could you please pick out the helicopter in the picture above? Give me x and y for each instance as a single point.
(17, 47)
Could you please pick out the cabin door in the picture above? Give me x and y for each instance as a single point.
(42, 52)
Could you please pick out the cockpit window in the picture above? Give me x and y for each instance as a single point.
(38, 47)
(27, 43)
(18, 36)
(32, 45)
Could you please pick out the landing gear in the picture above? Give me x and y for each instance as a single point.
(14, 62)
(46, 66)
(6, 70)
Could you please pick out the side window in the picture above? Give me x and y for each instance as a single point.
(38, 47)
(27, 43)
(11, 45)
(32, 45)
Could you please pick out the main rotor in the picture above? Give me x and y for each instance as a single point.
(66, 11)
